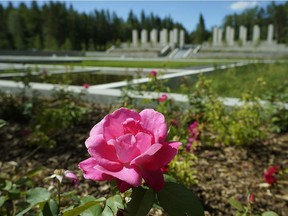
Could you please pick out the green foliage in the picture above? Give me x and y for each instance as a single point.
(247, 209)
(177, 200)
(142, 200)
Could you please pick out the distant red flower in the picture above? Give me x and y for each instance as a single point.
(269, 174)
(153, 73)
(163, 98)
(251, 198)
(86, 85)
(188, 147)
(174, 122)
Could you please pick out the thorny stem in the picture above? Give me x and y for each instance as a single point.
(59, 195)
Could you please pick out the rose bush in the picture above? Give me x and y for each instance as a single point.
(127, 146)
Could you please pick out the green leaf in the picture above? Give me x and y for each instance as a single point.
(236, 204)
(36, 171)
(50, 208)
(78, 210)
(113, 204)
(168, 178)
(2, 123)
(141, 201)
(94, 210)
(37, 195)
(178, 200)
(2, 200)
(269, 213)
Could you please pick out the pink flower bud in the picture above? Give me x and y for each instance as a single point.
(70, 175)
(153, 73)
(86, 85)
(251, 198)
(163, 98)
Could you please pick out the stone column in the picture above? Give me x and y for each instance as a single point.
(243, 34)
(220, 32)
(215, 36)
(135, 38)
(256, 34)
(144, 36)
(182, 39)
(153, 36)
(175, 36)
(270, 34)
(164, 37)
(171, 39)
(229, 36)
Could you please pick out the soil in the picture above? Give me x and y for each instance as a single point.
(222, 172)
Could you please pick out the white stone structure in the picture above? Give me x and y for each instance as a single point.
(182, 39)
(134, 38)
(175, 36)
(171, 39)
(144, 36)
(229, 36)
(164, 37)
(270, 34)
(256, 34)
(217, 36)
(243, 35)
(153, 36)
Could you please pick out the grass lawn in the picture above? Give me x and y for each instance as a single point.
(233, 82)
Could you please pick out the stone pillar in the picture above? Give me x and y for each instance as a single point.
(153, 36)
(171, 39)
(220, 32)
(164, 37)
(243, 34)
(229, 36)
(256, 34)
(270, 34)
(144, 36)
(182, 39)
(175, 36)
(134, 38)
(215, 36)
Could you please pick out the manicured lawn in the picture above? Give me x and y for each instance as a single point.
(234, 81)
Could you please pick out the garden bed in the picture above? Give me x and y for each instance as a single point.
(222, 172)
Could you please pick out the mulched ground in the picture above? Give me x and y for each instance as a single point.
(223, 172)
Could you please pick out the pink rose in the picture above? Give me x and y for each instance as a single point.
(127, 146)
(153, 73)
(163, 97)
(86, 85)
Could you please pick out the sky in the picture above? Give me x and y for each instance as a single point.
(186, 12)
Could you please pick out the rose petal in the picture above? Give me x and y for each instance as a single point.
(154, 160)
(147, 155)
(143, 141)
(130, 175)
(131, 126)
(90, 171)
(155, 122)
(113, 127)
(125, 148)
(123, 186)
(103, 149)
(154, 179)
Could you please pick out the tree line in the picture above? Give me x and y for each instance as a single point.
(56, 26)
(276, 14)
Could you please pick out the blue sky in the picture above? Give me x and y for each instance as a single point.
(186, 12)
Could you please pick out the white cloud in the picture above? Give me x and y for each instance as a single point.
(241, 5)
